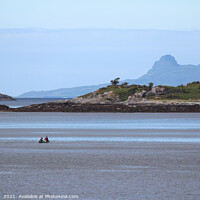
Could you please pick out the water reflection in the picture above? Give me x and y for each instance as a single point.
(104, 139)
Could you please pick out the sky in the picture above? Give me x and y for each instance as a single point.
(50, 44)
(126, 14)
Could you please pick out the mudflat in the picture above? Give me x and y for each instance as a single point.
(156, 157)
(101, 170)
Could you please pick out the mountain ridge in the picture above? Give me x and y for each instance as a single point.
(165, 71)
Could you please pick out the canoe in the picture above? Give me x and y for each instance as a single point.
(43, 142)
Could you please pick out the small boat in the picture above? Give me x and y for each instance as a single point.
(43, 141)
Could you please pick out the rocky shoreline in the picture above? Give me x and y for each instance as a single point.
(4, 97)
(69, 106)
(110, 101)
(4, 108)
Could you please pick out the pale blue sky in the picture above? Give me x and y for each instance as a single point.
(135, 14)
(91, 41)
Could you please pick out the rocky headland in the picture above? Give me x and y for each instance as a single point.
(4, 108)
(69, 106)
(4, 97)
(126, 98)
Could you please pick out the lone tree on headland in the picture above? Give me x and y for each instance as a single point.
(115, 81)
(150, 85)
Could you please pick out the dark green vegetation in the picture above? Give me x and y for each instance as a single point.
(124, 91)
(191, 91)
(115, 81)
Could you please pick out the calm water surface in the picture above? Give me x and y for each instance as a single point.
(173, 127)
(101, 155)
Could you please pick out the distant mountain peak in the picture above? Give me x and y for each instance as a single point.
(169, 59)
(165, 61)
(165, 71)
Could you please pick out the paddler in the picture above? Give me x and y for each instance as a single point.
(46, 139)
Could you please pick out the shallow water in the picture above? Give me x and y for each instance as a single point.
(101, 155)
(102, 127)
(133, 121)
(103, 139)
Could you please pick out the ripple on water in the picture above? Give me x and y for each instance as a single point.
(105, 139)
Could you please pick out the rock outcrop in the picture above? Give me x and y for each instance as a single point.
(76, 107)
(4, 97)
(96, 98)
(70, 106)
(158, 90)
(140, 96)
(111, 98)
(4, 108)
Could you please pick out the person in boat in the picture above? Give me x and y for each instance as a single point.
(41, 139)
(46, 139)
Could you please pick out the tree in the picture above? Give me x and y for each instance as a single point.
(115, 81)
(150, 85)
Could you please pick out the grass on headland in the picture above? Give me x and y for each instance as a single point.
(123, 91)
(191, 91)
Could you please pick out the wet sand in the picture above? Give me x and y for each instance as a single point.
(108, 156)
(100, 170)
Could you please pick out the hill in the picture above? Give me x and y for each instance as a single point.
(62, 93)
(128, 94)
(166, 71)
(4, 97)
